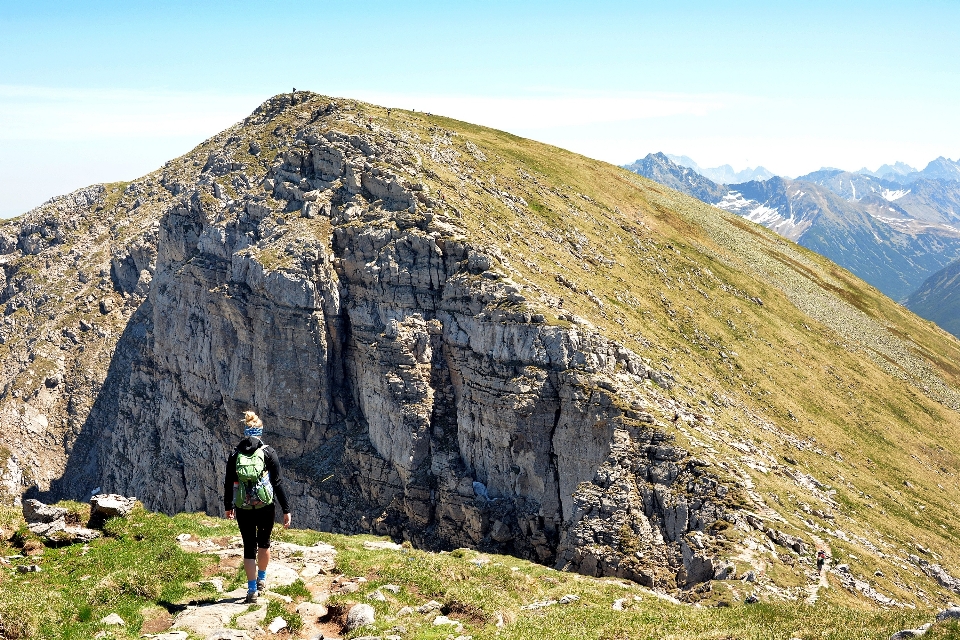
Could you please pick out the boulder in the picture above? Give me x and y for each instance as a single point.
(360, 615)
(110, 505)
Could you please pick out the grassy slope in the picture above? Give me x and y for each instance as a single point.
(875, 432)
(139, 571)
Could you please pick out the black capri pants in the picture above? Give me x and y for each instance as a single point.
(256, 525)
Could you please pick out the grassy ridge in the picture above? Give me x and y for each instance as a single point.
(139, 571)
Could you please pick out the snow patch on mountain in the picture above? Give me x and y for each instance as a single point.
(769, 217)
(891, 195)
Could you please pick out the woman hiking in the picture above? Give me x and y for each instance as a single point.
(250, 489)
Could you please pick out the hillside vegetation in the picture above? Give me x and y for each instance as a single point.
(140, 572)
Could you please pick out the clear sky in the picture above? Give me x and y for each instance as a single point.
(107, 90)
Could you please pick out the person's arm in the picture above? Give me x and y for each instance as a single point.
(276, 479)
(229, 478)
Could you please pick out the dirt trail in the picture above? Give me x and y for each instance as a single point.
(822, 583)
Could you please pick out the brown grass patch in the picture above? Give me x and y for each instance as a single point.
(464, 611)
(157, 623)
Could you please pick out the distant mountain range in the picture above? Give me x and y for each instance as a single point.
(724, 174)
(895, 227)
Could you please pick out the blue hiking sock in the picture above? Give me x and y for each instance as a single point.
(261, 574)
(251, 585)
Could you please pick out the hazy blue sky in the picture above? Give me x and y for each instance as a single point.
(99, 91)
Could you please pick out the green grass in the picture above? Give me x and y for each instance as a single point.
(138, 569)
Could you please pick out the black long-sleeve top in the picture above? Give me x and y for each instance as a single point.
(271, 463)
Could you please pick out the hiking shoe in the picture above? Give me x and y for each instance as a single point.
(261, 587)
(251, 597)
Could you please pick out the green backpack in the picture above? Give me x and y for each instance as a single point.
(254, 489)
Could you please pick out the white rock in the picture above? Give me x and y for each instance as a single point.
(360, 615)
(567, 599)
(113, 619)
(377, 595)
(227, 634)
(439, 620)
(276, 624)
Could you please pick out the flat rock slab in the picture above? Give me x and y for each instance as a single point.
(208, 619)
(252, 620)
(311, 570)
(279, 575)
(228, 634)
(321, 554)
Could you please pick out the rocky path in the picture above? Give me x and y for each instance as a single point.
(229, 618)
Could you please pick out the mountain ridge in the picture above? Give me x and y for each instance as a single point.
(861, 223)
(463, 338)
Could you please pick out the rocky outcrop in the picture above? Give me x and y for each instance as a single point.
(54, 525)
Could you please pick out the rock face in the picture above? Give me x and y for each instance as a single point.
(396, 365)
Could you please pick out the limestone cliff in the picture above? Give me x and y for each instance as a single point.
(396, 296)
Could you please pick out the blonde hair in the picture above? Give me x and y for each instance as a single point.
(251, 419)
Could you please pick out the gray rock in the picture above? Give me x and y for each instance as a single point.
(35, 511)
(113, 620)
(106, 506)
(953, 613)
(311, 611)
(360, 615)
(170, 635)
(698, 566)
(432, 605)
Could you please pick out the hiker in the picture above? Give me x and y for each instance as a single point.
(250, 488)
(821, 559)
